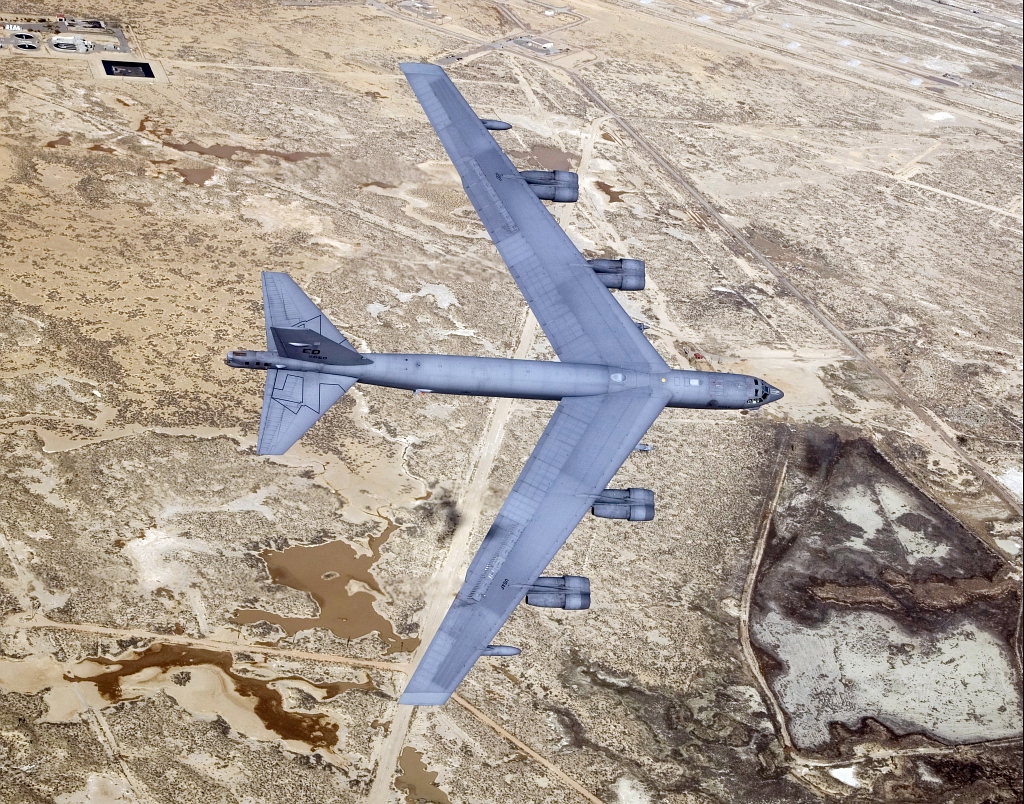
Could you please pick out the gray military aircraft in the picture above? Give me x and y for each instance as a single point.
(610, 383)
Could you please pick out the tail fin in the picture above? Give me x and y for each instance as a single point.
(285, 306)
(304, 344)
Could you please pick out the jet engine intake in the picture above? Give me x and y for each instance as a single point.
(569, 592)
(636, 505)
(620, 274)
(562, 186)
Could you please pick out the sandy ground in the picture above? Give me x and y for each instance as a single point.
(827, 195)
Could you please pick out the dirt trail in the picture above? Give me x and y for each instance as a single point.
(446, 581)
(764, 526)
(22, 622)
(929, 419)
(553, 769)
(445, 584)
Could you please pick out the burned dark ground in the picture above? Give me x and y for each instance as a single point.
(880, 621)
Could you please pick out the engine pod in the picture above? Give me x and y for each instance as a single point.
(634, 505)
(624, 274)
(569, 592)
(562, 186)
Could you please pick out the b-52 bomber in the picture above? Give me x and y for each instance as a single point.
(610, 383)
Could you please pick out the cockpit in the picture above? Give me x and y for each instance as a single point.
(763, 393)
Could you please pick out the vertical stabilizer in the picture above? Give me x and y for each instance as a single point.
(285, 306)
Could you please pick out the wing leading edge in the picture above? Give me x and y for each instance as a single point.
(581, 319)
(582, 448)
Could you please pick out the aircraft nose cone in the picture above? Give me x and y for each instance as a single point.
(774, 395)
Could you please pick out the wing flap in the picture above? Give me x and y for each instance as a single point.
(581, 449)
(498, 223)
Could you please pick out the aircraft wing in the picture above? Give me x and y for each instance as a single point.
(293, 401)
(582, 320)
(582, 448)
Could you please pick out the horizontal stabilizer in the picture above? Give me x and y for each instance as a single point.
(285, 306)
(293, 401)
(305, 344)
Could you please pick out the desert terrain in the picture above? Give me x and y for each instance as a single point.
(827, 608)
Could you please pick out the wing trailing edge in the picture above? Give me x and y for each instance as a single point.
(581, 449)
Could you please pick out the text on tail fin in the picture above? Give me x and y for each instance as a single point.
(311, 346)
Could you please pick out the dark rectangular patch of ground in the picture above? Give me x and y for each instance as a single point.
(127, 69)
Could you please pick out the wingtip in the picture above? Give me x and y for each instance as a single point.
(424, 698)
(420, 68)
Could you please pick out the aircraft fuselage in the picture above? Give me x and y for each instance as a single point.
(528, 379)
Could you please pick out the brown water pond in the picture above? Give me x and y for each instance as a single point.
(341, 582)
(316, 730)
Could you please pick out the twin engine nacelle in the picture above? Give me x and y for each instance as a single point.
(620, 274)
(570, 592)
(562, 186)
(636, 505)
